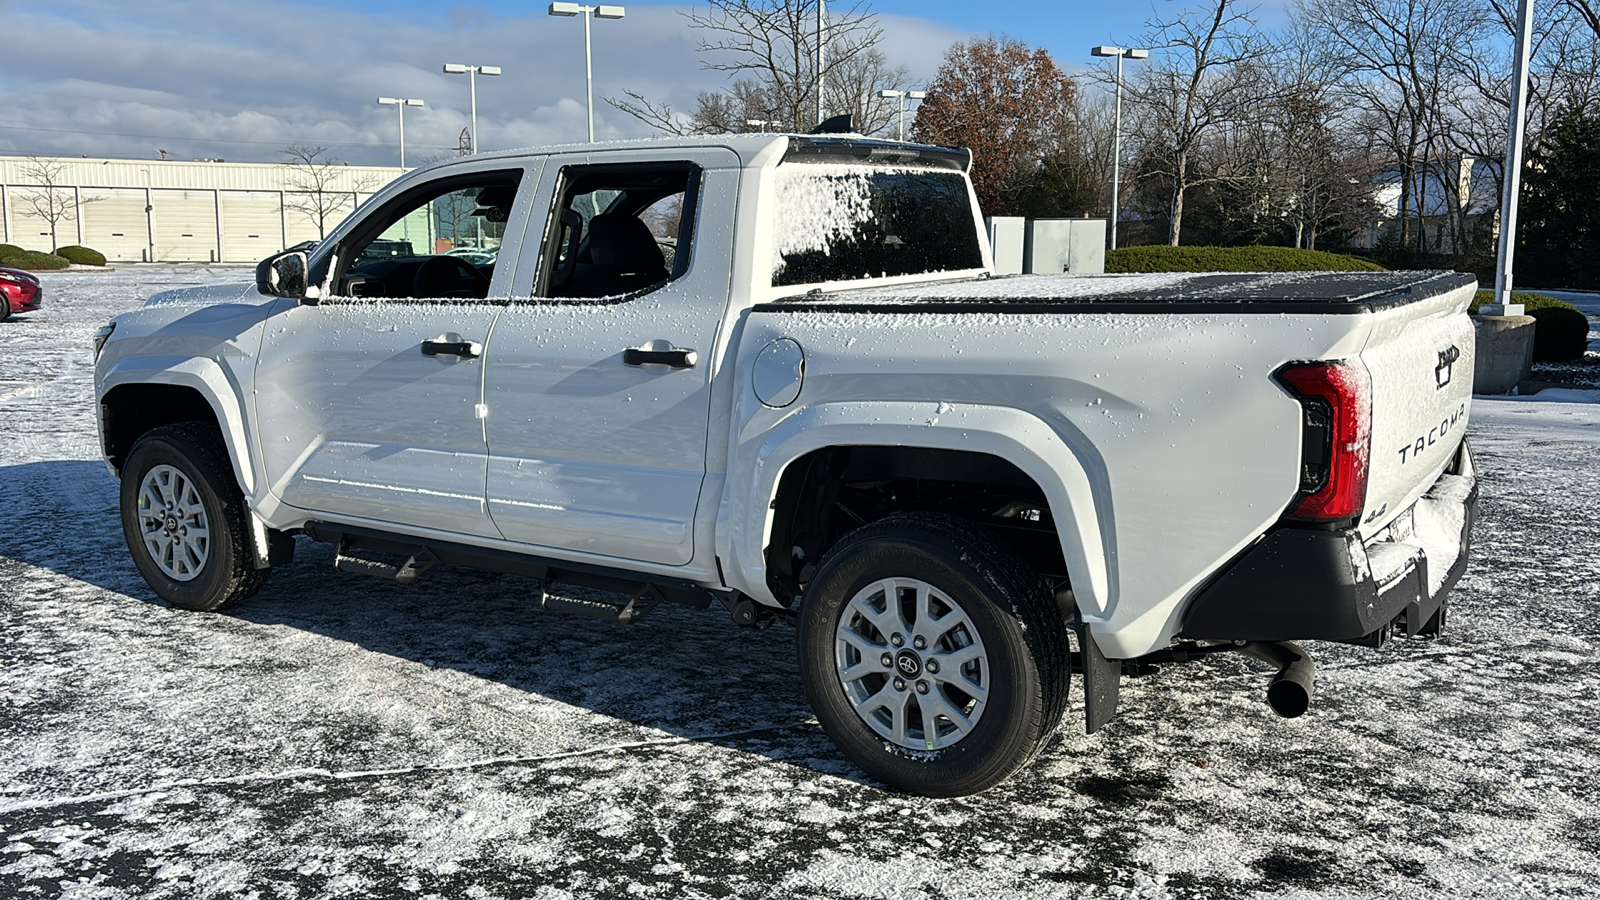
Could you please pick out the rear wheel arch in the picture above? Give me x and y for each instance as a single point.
(830, 492)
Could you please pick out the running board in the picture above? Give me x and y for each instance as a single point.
(646, 599)
(405, 573)
(419, 557)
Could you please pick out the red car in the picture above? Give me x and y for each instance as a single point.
(20, 292)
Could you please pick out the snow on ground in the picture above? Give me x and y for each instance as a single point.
(343, 737)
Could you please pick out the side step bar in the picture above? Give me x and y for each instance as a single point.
(405, 573)
(420, 557)
(646, 599)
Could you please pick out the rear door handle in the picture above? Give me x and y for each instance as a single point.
(676, 358)
(452, 345)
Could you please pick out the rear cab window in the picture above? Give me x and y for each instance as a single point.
(844, 212)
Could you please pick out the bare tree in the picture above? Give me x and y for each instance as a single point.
(313, 186)
(53, 201)
(769, 46)
(1006, 102)
(715, 112)
(1200, 80)
(1398, 67)
(1589, 12)
(853, 87)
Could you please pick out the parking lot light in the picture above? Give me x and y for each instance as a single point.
(472, 73)
(901, 97)
(1116, 140)
(604, 12)
(400, 103)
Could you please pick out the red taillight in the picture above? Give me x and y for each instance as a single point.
(1337, 438)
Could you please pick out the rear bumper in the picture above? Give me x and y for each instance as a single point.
(1298, 584)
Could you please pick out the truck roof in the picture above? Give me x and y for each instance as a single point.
(751, 146)
(1167, 292)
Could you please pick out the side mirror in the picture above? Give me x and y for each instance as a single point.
(283, 275)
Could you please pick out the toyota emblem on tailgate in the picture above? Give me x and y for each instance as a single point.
(1442, 371)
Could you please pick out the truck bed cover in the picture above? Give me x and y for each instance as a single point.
(1304, 293)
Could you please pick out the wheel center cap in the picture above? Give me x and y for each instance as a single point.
(908, 664)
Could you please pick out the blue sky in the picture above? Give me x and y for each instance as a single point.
(238, 81)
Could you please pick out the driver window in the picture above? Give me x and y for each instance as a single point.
(442, 244)
(620, 230)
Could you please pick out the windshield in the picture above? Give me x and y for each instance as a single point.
(846, 222)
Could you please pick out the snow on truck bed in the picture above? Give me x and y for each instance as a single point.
(1305, 292)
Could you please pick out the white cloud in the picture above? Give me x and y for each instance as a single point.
(103, 78)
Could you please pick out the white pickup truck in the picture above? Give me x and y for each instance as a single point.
(774, 373)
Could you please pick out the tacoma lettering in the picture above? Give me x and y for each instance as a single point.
(1412, 450)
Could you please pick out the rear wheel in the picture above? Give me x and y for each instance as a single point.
(932, 654)
(185, 521)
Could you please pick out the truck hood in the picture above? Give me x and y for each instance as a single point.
(205, 295)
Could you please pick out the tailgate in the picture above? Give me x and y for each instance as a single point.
(1420, 356)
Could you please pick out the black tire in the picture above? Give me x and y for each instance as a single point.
(1024, 639)
(227, 572)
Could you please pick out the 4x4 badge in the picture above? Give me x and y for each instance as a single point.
(1442, 371)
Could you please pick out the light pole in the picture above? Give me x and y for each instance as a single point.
(400, 103)
(903, 97)
(472, 73)
(1116, 140)
(604, 12)
(1513, 173)
(822, 55)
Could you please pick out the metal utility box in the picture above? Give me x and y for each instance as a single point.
(1007, 235)
(1054, 246)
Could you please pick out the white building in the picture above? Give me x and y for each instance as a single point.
(170, 211)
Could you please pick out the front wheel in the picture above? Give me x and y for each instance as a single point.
(185, 521)
(933, 655)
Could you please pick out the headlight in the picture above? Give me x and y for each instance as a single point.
(101, 336)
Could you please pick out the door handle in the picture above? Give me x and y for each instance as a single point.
(445, 346)
(676, 358)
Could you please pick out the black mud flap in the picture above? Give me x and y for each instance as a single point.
(1102, 682)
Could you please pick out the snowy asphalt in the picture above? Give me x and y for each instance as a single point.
(339, 736)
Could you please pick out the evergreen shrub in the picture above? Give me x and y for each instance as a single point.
(82, 256)
(1232, 259)
(1561, 331)
(33, 261)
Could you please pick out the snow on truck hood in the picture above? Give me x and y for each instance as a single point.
(204, 295)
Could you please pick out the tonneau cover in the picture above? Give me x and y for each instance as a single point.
(1306, 293)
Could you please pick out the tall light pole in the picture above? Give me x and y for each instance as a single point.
(400, 103)
(903, 97)
(1513, 174)
(822, 56)
(604, 12)
(1116, 140)
(472, 73)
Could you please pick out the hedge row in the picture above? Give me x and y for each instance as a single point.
(15, 257)
(1232, 259)
(1561, 331)
(33, 261)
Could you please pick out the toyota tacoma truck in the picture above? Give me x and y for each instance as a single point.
(774, 374)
